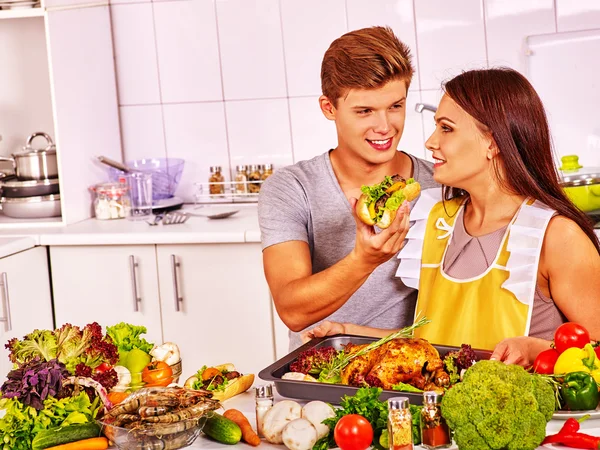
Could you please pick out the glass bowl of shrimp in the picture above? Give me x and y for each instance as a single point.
(157, 417)
(149, 436)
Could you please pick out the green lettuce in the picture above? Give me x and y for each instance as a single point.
(127, 336)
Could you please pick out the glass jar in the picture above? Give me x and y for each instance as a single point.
(399, 424)
(253, 179)
(216, 177)
(241, 179)
(267, 172)
(111, 201)
(264, 402)
(434, 431)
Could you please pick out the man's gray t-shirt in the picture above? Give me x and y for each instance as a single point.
(304, 202)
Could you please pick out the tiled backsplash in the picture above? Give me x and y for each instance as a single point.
(227, 82)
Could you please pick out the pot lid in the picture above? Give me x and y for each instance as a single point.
(49, 149)
(574, 174)
(13, 182)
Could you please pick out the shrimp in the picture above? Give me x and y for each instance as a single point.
(163, 429)
(147, 411)
(187, 413)
(153, 396)
(124, 419)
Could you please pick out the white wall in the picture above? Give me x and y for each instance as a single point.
(236, 81)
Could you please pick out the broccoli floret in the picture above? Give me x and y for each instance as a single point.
(498, 407)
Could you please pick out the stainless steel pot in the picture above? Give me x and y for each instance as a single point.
(35, 164)
(31, 207)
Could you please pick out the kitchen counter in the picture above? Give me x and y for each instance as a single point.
(12, 245)
(241, 227)
(245, 403)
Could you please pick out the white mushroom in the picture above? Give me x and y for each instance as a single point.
(299, 434)
(278, 417)
(316, 412)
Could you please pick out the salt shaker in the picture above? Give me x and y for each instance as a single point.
(264, 402)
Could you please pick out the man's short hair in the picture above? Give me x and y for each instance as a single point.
(364, 59)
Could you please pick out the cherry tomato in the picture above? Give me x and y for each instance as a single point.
(157, 373)
(544, 363)
(353, 432)
(569, 335)
(103, 367)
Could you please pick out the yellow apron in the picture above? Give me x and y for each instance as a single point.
(483, 310)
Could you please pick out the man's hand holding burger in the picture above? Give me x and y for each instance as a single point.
(386, 206)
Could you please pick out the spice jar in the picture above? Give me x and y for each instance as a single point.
(264, 402)
(399, 424)
(111, 201)
(216, 177)
(434, 431)
(241, 178)
(267, 172)
(253, 179)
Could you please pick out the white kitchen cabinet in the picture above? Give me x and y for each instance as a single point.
(58, 76)
(216, 305)
(107, 284)
(25, 296)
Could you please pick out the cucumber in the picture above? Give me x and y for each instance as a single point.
(64, 435)
(222, 429)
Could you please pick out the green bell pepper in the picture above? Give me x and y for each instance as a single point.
(580, 391)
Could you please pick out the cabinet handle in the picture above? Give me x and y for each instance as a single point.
(5, 303)
(175, 265)
(133, 266)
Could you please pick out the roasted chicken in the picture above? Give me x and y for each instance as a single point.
(411, 361)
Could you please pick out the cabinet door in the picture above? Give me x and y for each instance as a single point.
(216, 305)
(25, 295)
(106, 284)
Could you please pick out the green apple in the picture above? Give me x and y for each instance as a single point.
(136, 361)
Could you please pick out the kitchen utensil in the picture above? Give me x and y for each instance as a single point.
(174, 217)
(332, 393)
(582, 185)
(140, 192)
(35, 164)
(13, 188)
(31, 207)
(114, 164)
(166, 174)
(166, 204)
(214, 215)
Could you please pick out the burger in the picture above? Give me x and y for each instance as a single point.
(379, 203)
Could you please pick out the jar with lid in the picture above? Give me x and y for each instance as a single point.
(241, 179)
(267, 172)
(264, 402)
(111, 201)
(216, 180)
(399, 424)
(434, 430)
(254, 179)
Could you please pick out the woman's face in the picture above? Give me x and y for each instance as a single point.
(462, 153)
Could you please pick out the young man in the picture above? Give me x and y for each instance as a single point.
(320, 261)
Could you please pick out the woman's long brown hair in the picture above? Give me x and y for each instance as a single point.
(505, 102)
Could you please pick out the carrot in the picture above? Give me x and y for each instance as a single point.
(240, 419)
(97, 443)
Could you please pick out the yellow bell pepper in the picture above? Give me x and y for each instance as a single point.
(578, 360)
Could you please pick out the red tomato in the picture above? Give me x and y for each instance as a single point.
(103, 367)
(353, 432)
(544, 363)
(569, 335)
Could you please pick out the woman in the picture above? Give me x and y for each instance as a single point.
(506, 257)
